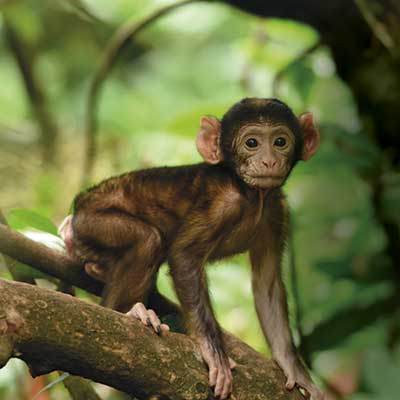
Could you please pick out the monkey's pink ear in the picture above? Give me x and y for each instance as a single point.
(310, 135)
(207, 141)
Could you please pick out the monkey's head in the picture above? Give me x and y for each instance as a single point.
(261, 139)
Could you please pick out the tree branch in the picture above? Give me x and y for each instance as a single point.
(111, 348)
(377, 27)
(78, 388)
(279, 76)
(49, 261)
(11, 263)
(35, 92)
(98, 344)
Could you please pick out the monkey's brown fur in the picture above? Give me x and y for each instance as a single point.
(192, 215)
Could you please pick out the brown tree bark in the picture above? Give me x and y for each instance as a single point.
(106, 346)
(54, 331)
(46, 260)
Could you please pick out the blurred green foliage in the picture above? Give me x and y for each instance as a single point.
(199, 60)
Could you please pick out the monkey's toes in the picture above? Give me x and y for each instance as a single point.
(147, 317)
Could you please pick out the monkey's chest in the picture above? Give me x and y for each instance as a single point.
(238, 238)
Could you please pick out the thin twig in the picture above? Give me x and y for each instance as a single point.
(278, 77)
(24, 58)
(377, 27)
(126, 32)
(83, 11)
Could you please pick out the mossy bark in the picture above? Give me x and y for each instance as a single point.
(53, 331)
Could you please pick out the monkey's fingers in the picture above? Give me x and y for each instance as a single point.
(208, 357)
(165, 328)
(219, 375)
(290, 383)
(232, 363)
(223, 386)
(313, 392)
(139, 312)
(212, 373)
(154, 320)
(147, 317)
(310, 390)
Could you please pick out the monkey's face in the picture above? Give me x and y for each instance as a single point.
(263, 154)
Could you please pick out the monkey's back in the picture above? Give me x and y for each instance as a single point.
(160, 196)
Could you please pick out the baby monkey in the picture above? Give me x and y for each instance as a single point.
(124, 228)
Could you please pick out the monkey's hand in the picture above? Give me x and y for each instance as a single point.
(147, 317)
(297, 375)
(219, 367)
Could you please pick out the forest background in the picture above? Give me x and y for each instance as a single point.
(341, 266)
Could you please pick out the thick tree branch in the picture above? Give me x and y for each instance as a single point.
(49, 261)
(111, 348)
(78, 388)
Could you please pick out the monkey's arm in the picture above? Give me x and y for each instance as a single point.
(196, 240)
(271, 305)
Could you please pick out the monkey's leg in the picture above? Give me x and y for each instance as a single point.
(133, 252)
(93, 269)
(131, 285)
(270, 301)
(187, 256)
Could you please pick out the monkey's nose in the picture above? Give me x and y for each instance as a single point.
(270, 163)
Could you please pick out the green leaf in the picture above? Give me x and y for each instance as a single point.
(21, 218)
(25, 273)
(302, 77)
(337, 329)
(391, 196)
(336, 269)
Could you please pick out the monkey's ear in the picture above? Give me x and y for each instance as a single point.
(310, 135)
(207, 141)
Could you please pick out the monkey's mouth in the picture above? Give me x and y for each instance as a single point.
(267, 176)
(264, 181)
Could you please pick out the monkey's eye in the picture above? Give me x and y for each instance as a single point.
(280, 142)
(251, 143)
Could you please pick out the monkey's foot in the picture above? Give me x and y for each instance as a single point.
(297, 376)
(147, 317)
(219, 367)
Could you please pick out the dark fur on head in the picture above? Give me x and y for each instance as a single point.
(258, 110)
